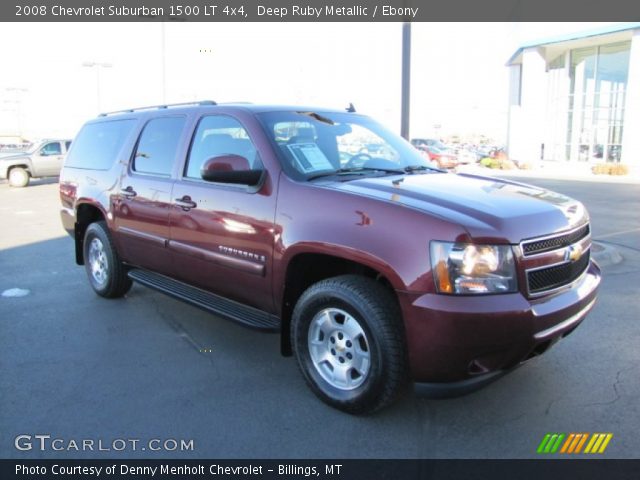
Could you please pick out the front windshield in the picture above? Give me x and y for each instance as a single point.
(311, 143)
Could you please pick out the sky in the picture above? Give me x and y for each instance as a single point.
(459, 81)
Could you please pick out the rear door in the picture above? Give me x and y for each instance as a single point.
(222, 235)
(143, 202)
(47, 160)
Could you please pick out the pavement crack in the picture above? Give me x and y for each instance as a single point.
(616, 392)
(498, 422)
(549, 405)
(181, 331)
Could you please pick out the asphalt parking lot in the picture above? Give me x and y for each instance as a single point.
(76, 366)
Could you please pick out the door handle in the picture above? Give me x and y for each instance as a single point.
(128, 192)
(186, 203)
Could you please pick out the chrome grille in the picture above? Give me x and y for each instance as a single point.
(549, 278)
(541, 245)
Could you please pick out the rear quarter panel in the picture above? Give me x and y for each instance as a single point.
(98, 188)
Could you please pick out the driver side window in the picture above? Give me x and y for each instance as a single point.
(219, 135)
(51, 149)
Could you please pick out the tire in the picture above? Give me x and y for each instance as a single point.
(18, 177)
(349, 343)
(107, 274)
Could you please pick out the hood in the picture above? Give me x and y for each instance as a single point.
(13, 156)
(490, 209)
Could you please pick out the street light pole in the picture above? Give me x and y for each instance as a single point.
(163, 33)
(98, 66)
(406, 80)
(18, 103)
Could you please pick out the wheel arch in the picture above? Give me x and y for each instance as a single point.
(22, 165)
(307, 267)
(86, 214)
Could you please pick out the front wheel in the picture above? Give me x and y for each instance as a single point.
(18, 177)
(106, 272)
(349, 343)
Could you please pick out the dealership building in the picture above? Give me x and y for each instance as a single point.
(576, 98)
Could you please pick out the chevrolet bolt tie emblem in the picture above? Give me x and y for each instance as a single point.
(573, 253)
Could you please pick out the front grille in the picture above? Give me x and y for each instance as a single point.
(533, 247)
(552, 277)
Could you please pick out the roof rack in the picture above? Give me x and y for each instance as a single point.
(159, 107)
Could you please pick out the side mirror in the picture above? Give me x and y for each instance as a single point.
(230, 168)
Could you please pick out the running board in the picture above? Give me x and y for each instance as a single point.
(246, 316)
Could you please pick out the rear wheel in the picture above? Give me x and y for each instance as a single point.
(349, 343)
(106, 272)
(18, 177)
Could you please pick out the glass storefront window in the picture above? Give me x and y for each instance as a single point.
(555, 127)
(596, 102)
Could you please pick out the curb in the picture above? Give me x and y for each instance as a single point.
(605, 254)
(549, 174)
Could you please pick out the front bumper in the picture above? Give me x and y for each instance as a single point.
(471, 340)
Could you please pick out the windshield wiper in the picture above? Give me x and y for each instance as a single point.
(318, 117)
(417, 168)
(356, 170)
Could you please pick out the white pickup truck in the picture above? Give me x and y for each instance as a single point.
(44, 159)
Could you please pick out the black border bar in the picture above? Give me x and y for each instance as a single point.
(318, 10)
(542, 469)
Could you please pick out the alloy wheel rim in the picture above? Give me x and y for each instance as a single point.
(339, 349)
(98, 261)
(17, 176)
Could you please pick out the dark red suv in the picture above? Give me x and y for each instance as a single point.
(375, 268)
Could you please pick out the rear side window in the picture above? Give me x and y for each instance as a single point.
(97, 145)
(52, 148)
(158, 146)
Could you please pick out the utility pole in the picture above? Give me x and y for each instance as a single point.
(406, 80)
(19, 92)
(163, 43)
(98, 66)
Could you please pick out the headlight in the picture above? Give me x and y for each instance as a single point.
(464, 268)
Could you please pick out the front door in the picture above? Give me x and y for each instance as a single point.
(47, 161)
(222, 235)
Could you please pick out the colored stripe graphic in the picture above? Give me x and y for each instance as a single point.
(555, 447)
(598, 443)
(605, 444)
(543, 443)
(568, 442)
(581, 443)
(573, 443)
(551, 443)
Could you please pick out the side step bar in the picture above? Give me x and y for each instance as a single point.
(246, 316)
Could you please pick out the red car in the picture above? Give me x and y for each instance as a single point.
(442, 158)
(374, 268)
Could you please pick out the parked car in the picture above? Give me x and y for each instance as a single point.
(428, 142)
(42, 160)
(466, 156)
(442, 158)
(375, 270)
